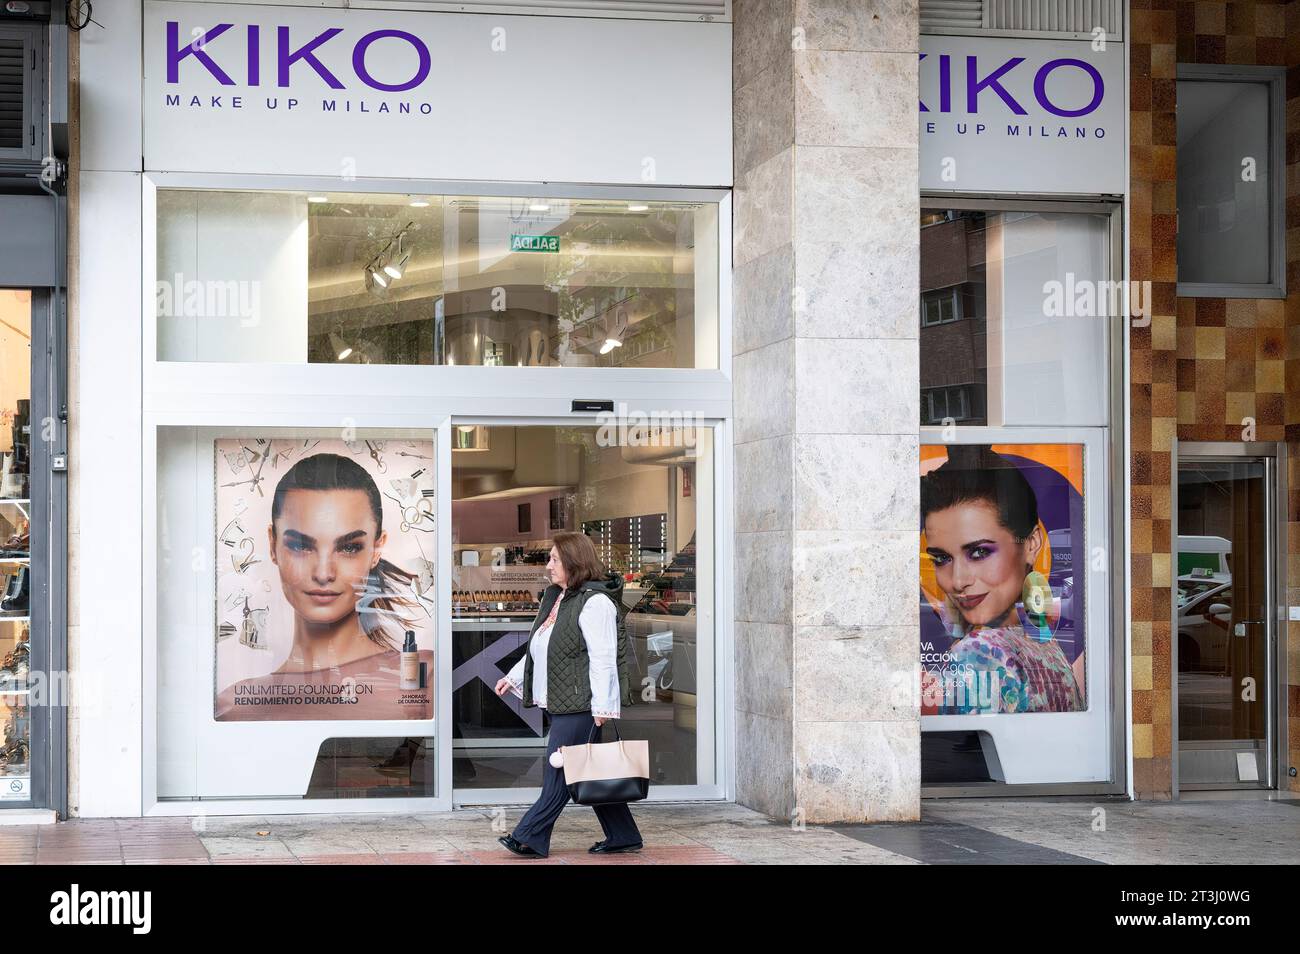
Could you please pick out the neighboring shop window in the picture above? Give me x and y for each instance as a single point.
(295, 277)
(1231, 199)
(644, 496)
(15, 546)
(319, 611)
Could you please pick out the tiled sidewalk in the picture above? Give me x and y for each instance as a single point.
(975, 831)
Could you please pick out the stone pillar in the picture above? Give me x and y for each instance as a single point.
(826, 401)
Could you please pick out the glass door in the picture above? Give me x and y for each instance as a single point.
(1226, 622)
(644, 493)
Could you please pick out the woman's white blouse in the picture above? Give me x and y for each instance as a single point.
(598, 622)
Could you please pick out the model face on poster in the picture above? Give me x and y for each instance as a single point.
(325, 543)
(978, 562)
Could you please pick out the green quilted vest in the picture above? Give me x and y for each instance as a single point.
(568, 667)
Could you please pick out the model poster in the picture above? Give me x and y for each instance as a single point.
(1001, 615)
(324, 579)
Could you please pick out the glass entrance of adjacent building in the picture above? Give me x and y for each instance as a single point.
(1226, 621)
(643, 491)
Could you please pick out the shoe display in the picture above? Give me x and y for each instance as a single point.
(15, 749)
(603, 848)
(518, 847)
(14, 666)
(18, 593)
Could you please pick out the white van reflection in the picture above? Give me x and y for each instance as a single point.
(1204, 623)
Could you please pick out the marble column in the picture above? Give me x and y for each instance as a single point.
(826, 398)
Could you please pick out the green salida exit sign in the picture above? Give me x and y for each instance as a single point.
(534, 243)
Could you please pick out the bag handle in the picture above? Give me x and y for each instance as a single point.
(595, 731)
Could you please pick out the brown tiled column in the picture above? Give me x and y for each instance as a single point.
(1205, 365)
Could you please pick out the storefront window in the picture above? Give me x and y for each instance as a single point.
(1013, 317)
(297, 277)
(15, 546)
(1016, 318)
(644, 497)
(296, 613)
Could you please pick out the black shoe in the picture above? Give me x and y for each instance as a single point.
(603, 848)
(518, 847)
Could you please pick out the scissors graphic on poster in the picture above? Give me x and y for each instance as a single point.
(416, 502)
(376, 449)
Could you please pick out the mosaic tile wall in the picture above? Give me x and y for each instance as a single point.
(1202, 366)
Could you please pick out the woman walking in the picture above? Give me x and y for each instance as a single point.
(576, 669)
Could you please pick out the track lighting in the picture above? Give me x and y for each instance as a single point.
(395, 268)
(387, 266)
(340, 347)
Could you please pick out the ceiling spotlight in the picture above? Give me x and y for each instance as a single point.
(396, 267)
(420, 204)
(539, 207)
(317, 198)
(609, 345)
(638, 207)
(341, 347)
(378, 278)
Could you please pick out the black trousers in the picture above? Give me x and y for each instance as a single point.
(534, 829)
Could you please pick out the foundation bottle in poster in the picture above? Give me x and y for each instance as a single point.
(410, 663)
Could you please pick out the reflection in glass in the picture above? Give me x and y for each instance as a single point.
(1222, 605)
(454, 280)
(1012, 317)
(645, 500)
(1224, 182)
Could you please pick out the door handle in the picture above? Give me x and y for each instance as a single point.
(1240, 628)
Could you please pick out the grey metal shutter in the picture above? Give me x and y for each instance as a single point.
(15, 74)
(1074, 18)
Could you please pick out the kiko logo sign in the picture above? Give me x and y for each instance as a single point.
(1017, 115)
(333, 89)
(992, 82)
(289, 51)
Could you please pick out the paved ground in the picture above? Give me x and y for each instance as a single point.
(973, 831)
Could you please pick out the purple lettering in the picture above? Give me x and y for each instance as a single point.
(974, 85)
(924, 108)
(945, 83)
(307, 53)
(194, 49)
(359, 60)
(254, 54)
(1040, 86)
